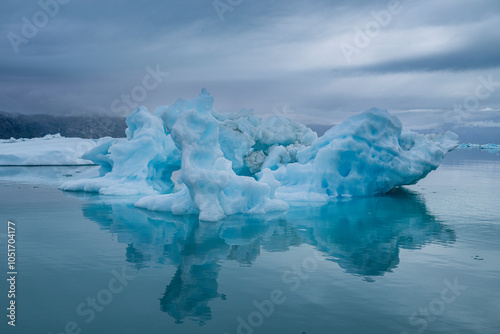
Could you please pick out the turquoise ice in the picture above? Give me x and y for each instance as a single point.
(188, 159)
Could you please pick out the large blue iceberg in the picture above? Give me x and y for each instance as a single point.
(188, 159)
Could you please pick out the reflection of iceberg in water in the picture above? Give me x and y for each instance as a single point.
(195, 281)
(363, 236)
(189, 292)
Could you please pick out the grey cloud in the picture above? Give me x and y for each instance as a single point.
(477, 56)
(264, 55)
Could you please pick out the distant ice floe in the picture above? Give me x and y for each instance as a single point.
(51, 150)
(238, 163)
(488, 147)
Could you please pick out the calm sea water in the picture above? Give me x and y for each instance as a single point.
(422, 259)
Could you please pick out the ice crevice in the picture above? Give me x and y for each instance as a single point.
(238, 163)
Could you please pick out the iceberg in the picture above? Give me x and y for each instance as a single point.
(211, 187)
(189, 159)
(365, 155)
(140, 164)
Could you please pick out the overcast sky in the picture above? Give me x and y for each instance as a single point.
(312, 61)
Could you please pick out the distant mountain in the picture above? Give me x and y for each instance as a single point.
(39, 125)
(30, 126)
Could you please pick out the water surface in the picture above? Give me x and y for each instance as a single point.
(421, 259)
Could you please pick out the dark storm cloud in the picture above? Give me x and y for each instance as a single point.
(269, 55)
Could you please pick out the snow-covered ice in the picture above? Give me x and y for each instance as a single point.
(238, 163)
(51, 150)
